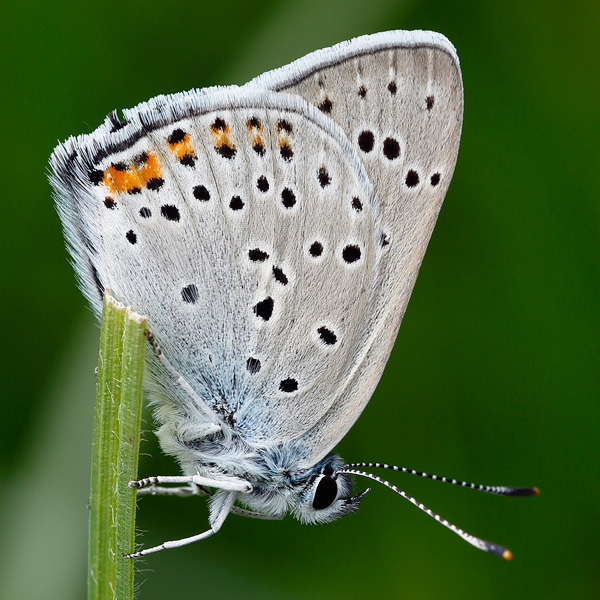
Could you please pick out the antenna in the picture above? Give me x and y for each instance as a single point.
(471, 539)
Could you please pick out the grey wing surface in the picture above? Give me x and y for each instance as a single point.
(398, 96)
(230, 220)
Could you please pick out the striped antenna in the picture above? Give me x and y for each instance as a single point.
(499, 490)
(471, 539)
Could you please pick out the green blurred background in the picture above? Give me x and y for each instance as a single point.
(494, 377)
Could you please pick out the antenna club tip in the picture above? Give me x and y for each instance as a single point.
(536, 491)
(507, 555)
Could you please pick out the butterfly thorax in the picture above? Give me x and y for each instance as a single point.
(279, 484)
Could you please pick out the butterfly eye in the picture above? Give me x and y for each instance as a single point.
(325, 494)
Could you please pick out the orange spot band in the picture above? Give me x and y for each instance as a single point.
(133, 176)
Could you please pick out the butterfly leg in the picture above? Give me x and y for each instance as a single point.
(229, 484)
(183, 491)
(219, 511)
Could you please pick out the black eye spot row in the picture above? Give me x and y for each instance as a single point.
(288, 385)
(176, 137)
(201, 193)
(392, 88)
(279, 275)
(236, 203)
(413, 179)
(253, 365)
(357, 205)
(288, 198)
(316, 249)
(226, 151)
(327, 336)
(286, 151)
(219, 124)
(96, 176)
(264, 308)
(155, 183)
(257, 255)
(324, 178)
(262, 184)
(284, 125)
(326, 106)
(350, 253)
(390, 148)
(190, 294)
(168, 211)
(171, 213)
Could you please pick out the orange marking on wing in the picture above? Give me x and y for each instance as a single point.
(182, 148)
(254, 127)
(150, 169)
(119, 179)
(108, 182)
(253, 123)
(256, 139)
(221, 136)
(219, 126)
(123, 179)
(285, 147)
(283, 132)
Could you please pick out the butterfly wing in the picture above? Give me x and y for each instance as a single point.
(243, 225)
(398, 97)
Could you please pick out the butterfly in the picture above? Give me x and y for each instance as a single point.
(272, 234)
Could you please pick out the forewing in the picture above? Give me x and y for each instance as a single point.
(398, 96)
(242, 224)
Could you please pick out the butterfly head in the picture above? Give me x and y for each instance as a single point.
(324, 494)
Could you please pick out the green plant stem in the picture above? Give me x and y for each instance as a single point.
(117, 423)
